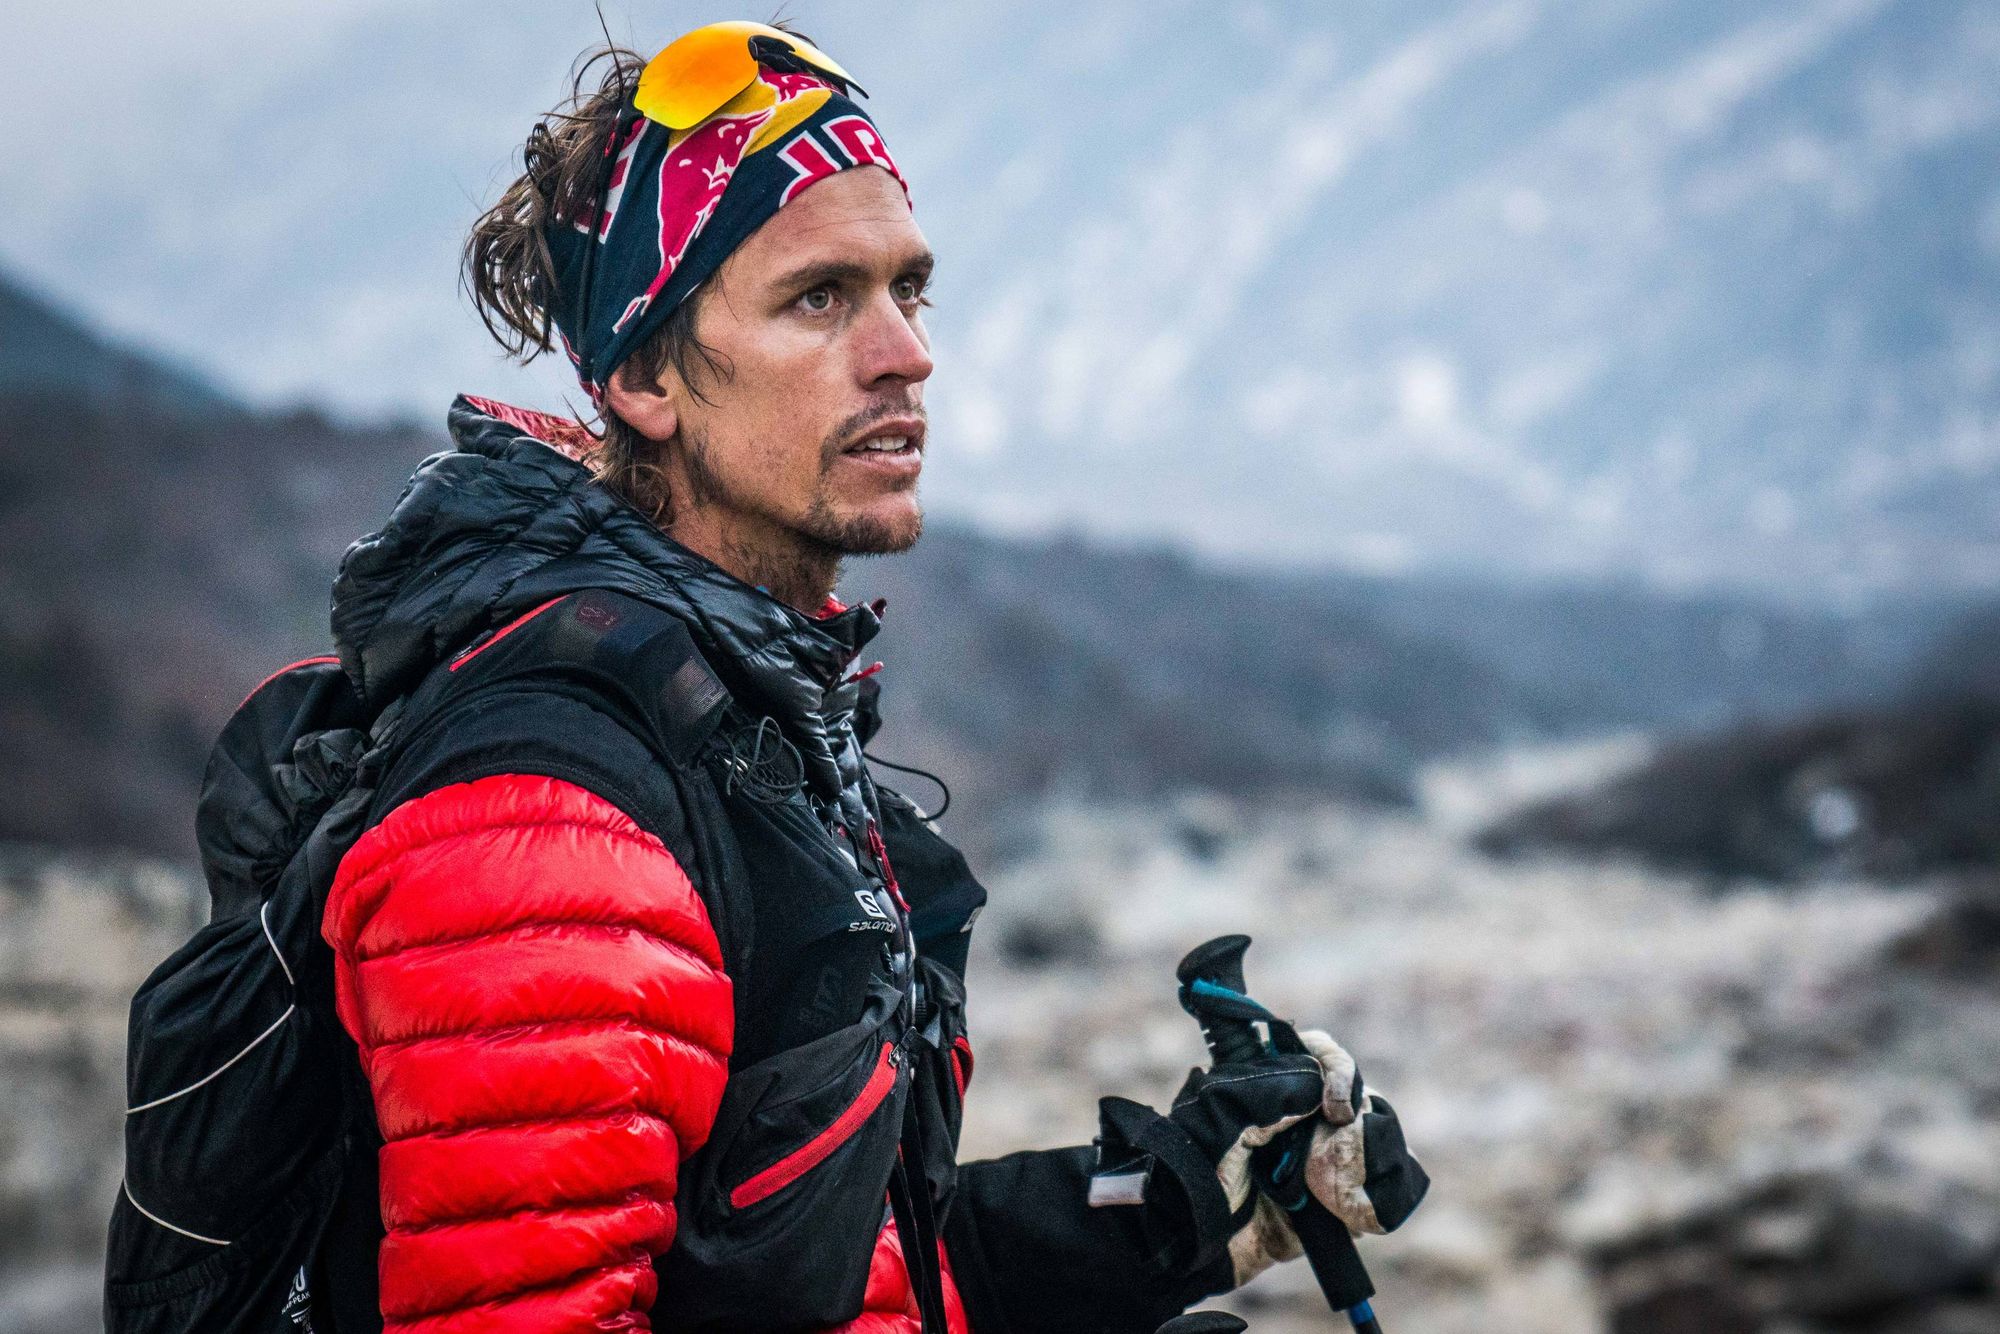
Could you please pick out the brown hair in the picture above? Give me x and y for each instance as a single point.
(510, 275)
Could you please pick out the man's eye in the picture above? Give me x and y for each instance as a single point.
(819, 300)
(909, 289)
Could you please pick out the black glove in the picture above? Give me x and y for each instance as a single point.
(1357, 1163)
(1204, 1145)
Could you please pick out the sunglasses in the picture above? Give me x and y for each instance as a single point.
(700, 72)
(692, 79)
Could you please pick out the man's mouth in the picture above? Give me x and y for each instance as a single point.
(884, 444)
(897, 437)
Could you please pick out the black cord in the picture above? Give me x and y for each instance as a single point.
(921, 773)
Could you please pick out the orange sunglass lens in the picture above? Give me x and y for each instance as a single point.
(697, 75)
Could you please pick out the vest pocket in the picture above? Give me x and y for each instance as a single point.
(780, 1210)
(795, 1164)
(811, 1110)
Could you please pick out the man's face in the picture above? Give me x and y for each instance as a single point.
(816, 428)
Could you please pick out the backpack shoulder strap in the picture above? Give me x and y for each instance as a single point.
(620, 655)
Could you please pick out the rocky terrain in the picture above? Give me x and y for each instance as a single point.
(1891, 790)
(1887, 792)
(1648, 1106)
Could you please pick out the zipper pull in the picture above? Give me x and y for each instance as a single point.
(879, 850)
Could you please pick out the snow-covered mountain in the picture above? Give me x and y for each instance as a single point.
(1703, 289)
(1690, 291)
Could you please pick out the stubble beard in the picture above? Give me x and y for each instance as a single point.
(816, 543)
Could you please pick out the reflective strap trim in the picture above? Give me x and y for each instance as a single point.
(1108, 1189)
(264, 919)
(127, 1188)
(148, 1106)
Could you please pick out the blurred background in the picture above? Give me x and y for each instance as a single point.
(1498, 499)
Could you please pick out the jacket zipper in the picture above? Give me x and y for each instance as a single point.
(821, 1146)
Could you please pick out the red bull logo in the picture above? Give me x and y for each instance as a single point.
(850, 142)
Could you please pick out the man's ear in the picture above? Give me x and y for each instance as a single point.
(648, 407)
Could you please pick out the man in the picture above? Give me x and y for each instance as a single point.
(657, 996)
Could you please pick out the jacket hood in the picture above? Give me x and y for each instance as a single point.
(510, 518)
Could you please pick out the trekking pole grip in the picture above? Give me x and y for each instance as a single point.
(1213, 991)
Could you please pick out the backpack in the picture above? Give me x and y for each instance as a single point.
(239, 1129)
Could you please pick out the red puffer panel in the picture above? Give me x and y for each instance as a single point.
(890, 1305)
(542, 1014)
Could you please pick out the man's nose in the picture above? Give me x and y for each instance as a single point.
(893, 346)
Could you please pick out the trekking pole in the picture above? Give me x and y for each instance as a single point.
(1213, 991)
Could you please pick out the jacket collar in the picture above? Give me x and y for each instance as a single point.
(511, 518)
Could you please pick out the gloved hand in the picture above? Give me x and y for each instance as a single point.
(1357, 1165)
(1218, 1119)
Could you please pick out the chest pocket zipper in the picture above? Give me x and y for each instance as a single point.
(822, 1146)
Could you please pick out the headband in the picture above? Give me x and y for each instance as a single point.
(677, 202)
